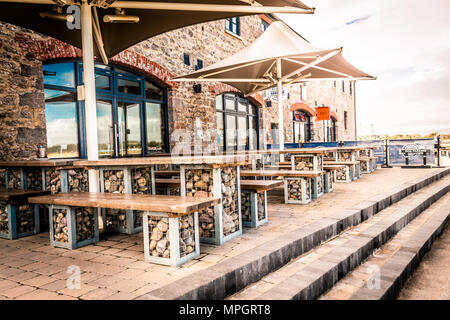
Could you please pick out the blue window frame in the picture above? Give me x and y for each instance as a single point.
(233, 25)
(264, 25)
(122, 103)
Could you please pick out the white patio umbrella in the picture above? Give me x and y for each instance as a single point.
(105, 20)
(280, 56)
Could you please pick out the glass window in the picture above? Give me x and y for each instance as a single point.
(59, 74)
(128, 86)
(62, 124)
(102, 82)
(232, 25)
(105, 128)
(242, 105)
(219, 102)
(155, 127)
(242, 133)
(153, 92)
(129, 128)
(220, 131)
(230, 104)
(231, 131)
(264, 25)
(241, 125)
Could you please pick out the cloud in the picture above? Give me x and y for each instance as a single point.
(358, 20)
(404, 43)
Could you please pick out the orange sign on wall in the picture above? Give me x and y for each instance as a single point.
(323, 113)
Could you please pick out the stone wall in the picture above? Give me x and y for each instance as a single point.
(22, 113)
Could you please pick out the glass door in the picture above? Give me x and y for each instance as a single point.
(105, 128)
(129, 129)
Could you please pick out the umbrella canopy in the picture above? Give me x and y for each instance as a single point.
(155, 17)
(279, 54)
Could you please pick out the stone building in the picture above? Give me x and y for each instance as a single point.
(139, 110)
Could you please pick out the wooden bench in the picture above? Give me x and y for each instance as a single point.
(348, 173)
(18, 218)
(170, 223)
(299, 186)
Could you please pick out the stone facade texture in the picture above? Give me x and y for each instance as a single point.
(22, 110)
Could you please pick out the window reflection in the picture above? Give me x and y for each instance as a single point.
(129, 86)
(61, 124)
(155, 127)
(105, 128)
(59, 74)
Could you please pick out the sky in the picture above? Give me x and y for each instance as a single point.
(404, 43)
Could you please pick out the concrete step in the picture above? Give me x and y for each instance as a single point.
(315, 272)
(236, 273)
(369, 274)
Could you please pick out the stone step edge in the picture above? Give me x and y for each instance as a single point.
(322, 274)
(235, 273)
(396, 271)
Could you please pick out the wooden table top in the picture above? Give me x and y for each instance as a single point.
(174, 205)
(37, 163)
(339, 162)
(333, 167)
(354, 148)
(260, 185)
(215, 161)
(315, 151)
(18, 194)
(280, 173)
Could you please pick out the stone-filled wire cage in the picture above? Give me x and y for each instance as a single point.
(217, 224)
(345, 156)
(199, 183)
(73, 227)
(298, 190)
(170, 241)
(3, 178)
(52, 180)
(18, 220)
(126, 181)
(33, 179)
(254, 208)
(305, 162)
(77, 180)
(14, 178)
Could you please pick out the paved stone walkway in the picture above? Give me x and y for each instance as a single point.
(431, 280)
(114, 268)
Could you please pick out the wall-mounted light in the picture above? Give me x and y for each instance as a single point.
(57, 14)
(120, 17)
(197, 88)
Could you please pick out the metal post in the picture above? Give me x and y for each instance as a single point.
(280, 108)
(386, 155)
(90, 102)
(439, 151)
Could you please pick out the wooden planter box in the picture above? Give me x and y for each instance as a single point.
(73, 227)
(170, 241)
(223, 222)
(297, 190)
(18, 220)
(254, 208)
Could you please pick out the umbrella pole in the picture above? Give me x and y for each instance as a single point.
(90, 103)
(280, 109)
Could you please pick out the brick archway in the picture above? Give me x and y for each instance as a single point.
(50, 49)
(221, 88)
(334, 116)
(303, 107)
